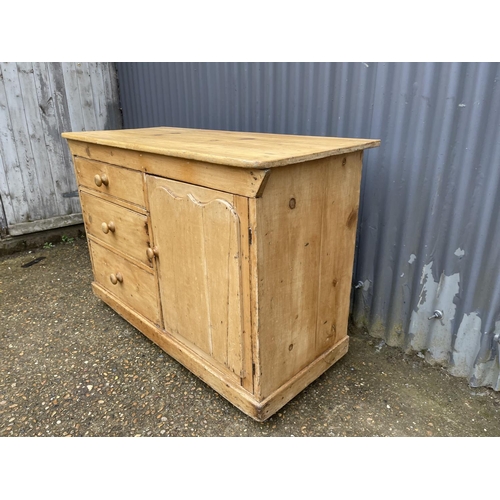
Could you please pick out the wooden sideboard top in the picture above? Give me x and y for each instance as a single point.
(236, 149)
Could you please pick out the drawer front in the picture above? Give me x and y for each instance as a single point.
(119, 227)
(134, 286)
(116, 181)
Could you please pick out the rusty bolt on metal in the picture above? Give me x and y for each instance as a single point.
(436, 315)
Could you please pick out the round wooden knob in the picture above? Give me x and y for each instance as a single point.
(115, 278)
(106, 228)
(152, 252)
(101, 179)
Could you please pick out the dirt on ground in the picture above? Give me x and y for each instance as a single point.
(70, 366)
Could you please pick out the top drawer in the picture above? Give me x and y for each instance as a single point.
(115, 181)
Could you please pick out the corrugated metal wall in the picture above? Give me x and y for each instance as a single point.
(429, 235)
(39, 101)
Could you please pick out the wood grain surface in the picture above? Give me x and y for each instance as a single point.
(238, 149)
(197, 232)
(306, 228)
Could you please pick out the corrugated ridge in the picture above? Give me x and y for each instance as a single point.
(430, 193)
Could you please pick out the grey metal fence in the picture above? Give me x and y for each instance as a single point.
(428, 235)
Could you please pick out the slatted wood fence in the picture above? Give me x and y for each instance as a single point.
(39, 101)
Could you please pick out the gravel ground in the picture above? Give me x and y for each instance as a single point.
(70, 366)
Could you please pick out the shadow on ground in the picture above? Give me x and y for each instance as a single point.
(70, 366)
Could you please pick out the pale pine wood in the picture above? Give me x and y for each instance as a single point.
(123, 183)
(237, 149)
(138, 288)
(253, 291)
(115, 201)
(244, 182)
(130, 233)
(301, 380)
(338, 237)
(254, 296)
(303, 273)
(259, 410)
(241, 208)
(197, 232)
(124, 255)
(219, 379)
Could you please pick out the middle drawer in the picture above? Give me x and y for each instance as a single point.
(119, 227)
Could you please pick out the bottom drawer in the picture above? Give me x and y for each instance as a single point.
(132, 285)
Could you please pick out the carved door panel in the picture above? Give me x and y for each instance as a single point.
(197, 233)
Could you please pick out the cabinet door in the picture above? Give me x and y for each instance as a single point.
(198, 235)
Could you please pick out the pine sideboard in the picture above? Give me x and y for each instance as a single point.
(232, 251)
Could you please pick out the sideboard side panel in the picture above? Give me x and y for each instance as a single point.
(306, 224)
